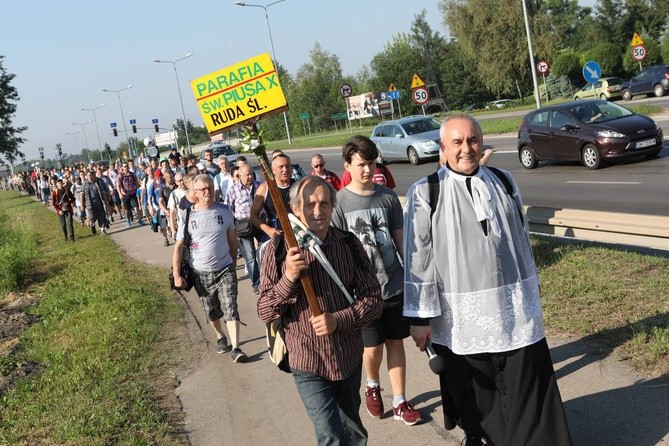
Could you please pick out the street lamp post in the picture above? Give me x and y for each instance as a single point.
(271, 41)
(183, 113)
(96, 123)
(83, 129)
(118, 95)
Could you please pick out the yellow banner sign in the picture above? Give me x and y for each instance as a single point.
(233, 95)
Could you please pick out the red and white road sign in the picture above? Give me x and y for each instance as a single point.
(543, 67)
(345, 90)
(420, 95)
(639, 52)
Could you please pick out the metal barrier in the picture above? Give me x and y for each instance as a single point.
(646, 231)
(643, 231)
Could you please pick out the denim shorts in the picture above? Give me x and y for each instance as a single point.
(218, 293)
(391, 325)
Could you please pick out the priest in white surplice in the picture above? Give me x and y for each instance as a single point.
(472, 289)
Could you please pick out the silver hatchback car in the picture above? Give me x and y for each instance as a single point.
(415, 138)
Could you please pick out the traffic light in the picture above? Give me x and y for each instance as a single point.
(156, 128)
(134, 128)
(115, 132)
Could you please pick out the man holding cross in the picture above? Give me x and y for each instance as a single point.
(325, 350)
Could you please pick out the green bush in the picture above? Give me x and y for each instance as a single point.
(567, 64)
(609, 58)
(17, 252)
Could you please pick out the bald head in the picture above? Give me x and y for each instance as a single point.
(246, 175)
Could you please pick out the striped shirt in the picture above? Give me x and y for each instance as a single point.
(336, 356)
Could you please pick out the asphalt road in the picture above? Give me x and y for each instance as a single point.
(637, 186)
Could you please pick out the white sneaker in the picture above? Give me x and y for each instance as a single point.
(104, 231)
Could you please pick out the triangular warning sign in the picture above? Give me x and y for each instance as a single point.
(636, 40)
(417, 82)
(392, 87)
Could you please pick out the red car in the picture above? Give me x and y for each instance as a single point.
(592, 132)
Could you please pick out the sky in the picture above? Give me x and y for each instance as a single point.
(64, 53)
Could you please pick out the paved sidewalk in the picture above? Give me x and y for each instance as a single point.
(255, 403)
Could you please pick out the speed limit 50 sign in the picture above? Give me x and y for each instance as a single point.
(639, 52)
(420, 95)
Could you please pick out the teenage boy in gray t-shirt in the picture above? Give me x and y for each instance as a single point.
(374, 214)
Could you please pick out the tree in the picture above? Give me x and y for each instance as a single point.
(316, 88)
(653, 56)
(9, 135)
(490, 34)
(665, 47)
(396, 64)
(460, 84)
(567, 64)
(609, 57)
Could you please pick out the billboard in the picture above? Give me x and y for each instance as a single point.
(165, 138)
(368, 105)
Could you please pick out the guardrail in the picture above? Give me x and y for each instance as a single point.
(645, 231)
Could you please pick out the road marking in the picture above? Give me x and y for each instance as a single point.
(604, 182)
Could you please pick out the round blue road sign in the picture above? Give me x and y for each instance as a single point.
(591, 71)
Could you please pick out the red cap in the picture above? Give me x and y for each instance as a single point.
(158, 173)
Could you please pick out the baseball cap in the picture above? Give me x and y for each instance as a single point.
(157, 173)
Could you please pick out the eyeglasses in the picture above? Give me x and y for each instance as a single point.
(204, 189)
(318, 166)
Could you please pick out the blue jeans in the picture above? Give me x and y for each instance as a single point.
(333, 407)
(248, 248)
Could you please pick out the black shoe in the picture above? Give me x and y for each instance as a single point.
(472, 440)
(93, 230)
(222, 345)
(238, 355)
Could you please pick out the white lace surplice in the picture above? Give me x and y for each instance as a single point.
(482, 290)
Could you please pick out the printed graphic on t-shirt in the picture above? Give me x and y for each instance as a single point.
(372, 231)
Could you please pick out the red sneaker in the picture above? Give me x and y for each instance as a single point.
(373, 401)
(406, 413)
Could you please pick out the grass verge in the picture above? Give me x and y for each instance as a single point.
(100, 342)
(616, 299)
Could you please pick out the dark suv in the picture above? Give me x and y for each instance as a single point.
(653, 79)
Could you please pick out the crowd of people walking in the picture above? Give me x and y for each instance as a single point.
(453, 270)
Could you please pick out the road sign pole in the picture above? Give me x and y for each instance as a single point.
(545, 88)
(399, 108)
(348, 116)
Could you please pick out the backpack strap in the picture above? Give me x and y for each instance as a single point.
(187, 240)
(504, 179)
(509, 188)
(433, 183)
